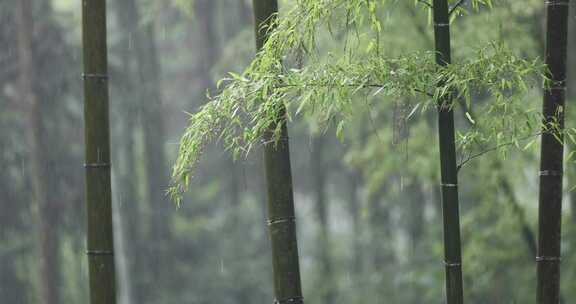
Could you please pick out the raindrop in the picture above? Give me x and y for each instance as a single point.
(222, 269)
(348, 278)
(164, 33)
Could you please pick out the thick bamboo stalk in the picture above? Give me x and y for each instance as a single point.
(552, 150)
(281, 214)
(448, 167)
(97, 137)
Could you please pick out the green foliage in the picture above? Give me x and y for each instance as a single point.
(326, 87)
(218, 242)
(187, 6)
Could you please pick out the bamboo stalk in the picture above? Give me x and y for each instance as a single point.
(149, 77)
(319, 180)
(448, 165)
(97, 137)
(552, 150)
(45, 217)
(281, 214)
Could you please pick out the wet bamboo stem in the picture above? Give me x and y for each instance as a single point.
(97, 140)
(552, 150)
(281, 214)
(448, 165)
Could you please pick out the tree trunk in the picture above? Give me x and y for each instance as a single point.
(148, 75)
(319, 183)
(14, 288)
(46, 217)
(157, 171)
(205, 12)
(571, 96)
(381, 232)
(281, 214)
(382, 242)
(234, 194)
(416, 225)
(97, 137)
(233, 23)
(552, 150)
(131, 207)
(449, 174)
(122, 260)
(416, 208)
(244, 11)
(354, 209)
(527, 234)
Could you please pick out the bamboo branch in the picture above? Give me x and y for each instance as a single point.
(494, 148)
(361, 86)
(457, 5)
(428, 4)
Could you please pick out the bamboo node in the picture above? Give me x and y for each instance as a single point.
(452, 264)
(550, 173)
(557, 3)
(295, 300)
(441, 24)
(548, 259)
(99, 252)
(556, 85)
(291, 219)
(281, 139)
(562, 88)
(96, 165)
(449, 185)
(95, 75)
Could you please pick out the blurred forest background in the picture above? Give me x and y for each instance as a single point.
(368, 207)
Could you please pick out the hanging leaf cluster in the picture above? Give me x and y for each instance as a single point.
(328, 86)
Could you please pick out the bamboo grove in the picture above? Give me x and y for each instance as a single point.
(251, 104)
(356, 151)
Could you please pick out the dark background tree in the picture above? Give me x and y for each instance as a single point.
(380, 187)
(45, 210)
